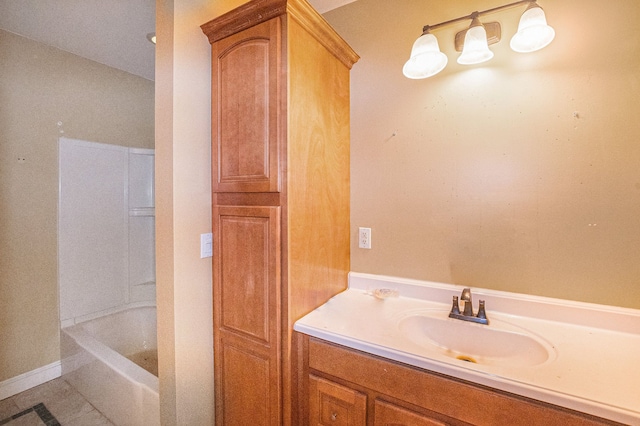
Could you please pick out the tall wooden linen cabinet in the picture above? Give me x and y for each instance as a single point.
(280, 179)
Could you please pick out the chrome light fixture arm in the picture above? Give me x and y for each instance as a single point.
(475, 14)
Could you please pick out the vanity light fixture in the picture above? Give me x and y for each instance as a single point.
(427, 60)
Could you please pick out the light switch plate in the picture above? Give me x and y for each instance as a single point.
(206, 245)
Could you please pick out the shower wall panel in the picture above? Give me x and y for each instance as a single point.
(106, 256)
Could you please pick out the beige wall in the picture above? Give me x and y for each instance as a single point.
(490, 179)
(41, 87)
(521, 174)
(183, 209)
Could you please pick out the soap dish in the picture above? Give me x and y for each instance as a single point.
(384, 293)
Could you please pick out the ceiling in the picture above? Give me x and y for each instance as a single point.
(110, 32)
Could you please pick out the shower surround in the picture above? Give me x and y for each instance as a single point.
(106, 228)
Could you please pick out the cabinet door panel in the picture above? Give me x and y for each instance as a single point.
(245, 275)
(245, 386)
(247, 271)
(245, 93)
(335, 405)
(387, 414)
(246, 298)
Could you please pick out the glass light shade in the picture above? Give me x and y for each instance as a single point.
(476, 48)
(533, 32)
(426, 58)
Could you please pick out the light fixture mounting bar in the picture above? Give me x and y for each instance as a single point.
(476, 14)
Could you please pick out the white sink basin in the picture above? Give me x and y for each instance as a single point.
(499, 343)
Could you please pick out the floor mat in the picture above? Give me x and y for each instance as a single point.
(39, 410)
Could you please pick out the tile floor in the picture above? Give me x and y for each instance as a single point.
(63, 406)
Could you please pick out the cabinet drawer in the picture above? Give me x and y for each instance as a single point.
(335, 405)
(387, 414)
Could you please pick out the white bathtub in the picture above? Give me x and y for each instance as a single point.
(94, 361)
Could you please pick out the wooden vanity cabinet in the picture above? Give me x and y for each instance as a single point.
(280, 182)
(356, 388)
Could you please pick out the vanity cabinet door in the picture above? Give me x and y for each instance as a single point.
(387, 414)
(331, 404)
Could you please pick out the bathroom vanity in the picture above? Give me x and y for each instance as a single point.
(347, 387)
(399, 359)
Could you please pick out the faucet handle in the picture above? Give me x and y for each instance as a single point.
(481, 312)
(455, 309)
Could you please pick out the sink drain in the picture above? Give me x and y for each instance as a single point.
(466, 359)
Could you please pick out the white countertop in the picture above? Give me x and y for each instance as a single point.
(594, 350)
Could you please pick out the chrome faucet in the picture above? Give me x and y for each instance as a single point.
(467, 313)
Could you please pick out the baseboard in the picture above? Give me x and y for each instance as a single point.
(23, 382)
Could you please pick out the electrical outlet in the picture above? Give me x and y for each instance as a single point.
(364, 238)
